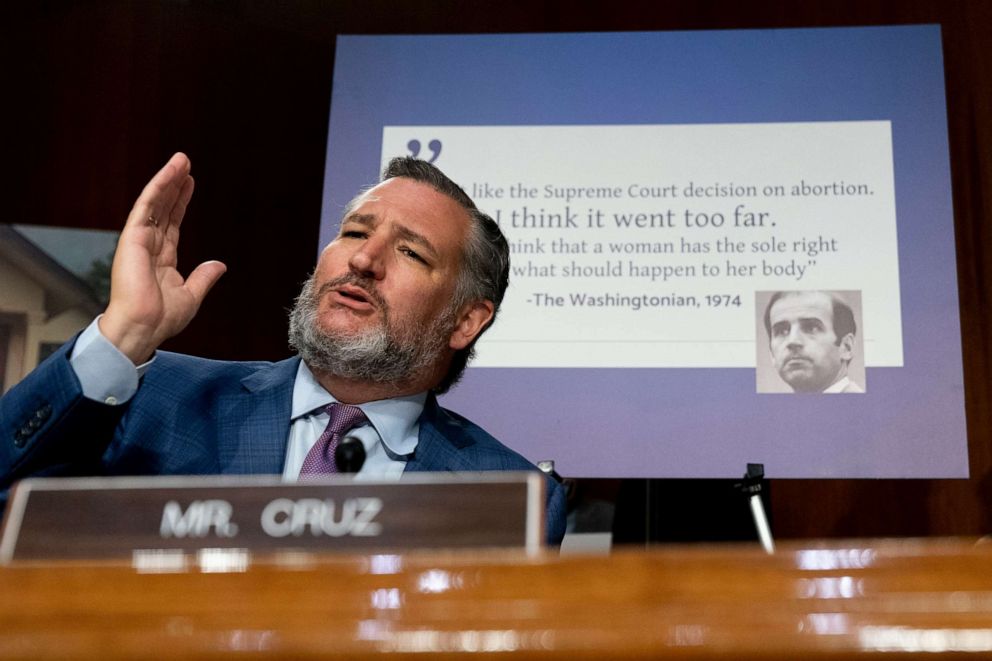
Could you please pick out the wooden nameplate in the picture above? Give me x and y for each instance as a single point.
(97, 518)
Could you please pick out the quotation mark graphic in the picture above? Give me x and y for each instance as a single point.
(433, 145)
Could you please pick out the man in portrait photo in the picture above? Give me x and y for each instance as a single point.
(813, 342)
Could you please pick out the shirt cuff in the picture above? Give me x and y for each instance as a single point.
(105, 374)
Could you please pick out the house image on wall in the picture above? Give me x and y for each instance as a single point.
(43, 300)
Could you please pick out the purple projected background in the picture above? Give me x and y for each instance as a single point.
(694, 423)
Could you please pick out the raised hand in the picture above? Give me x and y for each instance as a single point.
(149, 300)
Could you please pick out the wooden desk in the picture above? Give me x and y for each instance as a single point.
(821, 601)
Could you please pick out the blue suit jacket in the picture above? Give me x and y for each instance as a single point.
(193, 416)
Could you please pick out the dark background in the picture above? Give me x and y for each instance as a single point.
(97, 95)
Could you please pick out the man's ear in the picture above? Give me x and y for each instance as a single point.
(847, 347)
(472, 319)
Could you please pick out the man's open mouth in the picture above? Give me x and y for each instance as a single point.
(354, 297)
(354, 293)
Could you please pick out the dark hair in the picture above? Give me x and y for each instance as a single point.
(485, 271)
(842, 321)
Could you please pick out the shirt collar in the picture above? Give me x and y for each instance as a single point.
(395, 419)
(838, 386)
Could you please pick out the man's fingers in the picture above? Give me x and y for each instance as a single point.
(156, 201)
(178, 209)
(203, 278)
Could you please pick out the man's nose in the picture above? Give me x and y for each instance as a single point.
(368, 260)
(795, 337)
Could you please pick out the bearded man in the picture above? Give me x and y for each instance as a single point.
(387, 321)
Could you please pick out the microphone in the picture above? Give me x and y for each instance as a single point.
(349, 455)
(751, 487)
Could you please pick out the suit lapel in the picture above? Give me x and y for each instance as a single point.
(439, 441)
(259, 419)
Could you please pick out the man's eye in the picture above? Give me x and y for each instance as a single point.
(353, 234)
(412, 254)
(780, 330)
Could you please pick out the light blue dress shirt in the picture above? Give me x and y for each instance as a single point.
(389, 440)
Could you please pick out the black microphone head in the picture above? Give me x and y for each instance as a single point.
(349, 455)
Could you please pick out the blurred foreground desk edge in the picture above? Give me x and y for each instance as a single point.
(833, 600)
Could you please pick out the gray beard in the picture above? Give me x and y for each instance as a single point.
(382, 355)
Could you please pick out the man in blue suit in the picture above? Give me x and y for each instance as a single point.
(387, 320)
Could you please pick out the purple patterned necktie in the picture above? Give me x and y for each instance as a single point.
(320, 459)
